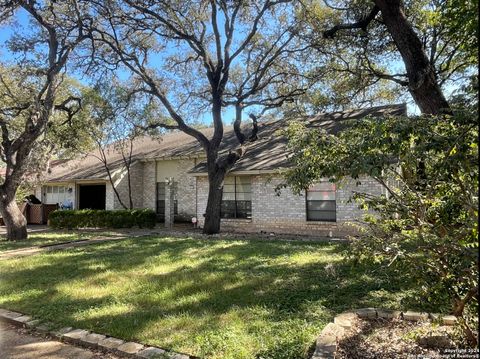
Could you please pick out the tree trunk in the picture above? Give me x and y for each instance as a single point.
(15, 221)
(423, 84)
(214, 202)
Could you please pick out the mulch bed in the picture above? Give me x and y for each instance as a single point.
(394, 338)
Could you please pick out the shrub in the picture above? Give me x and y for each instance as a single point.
(426, 223)
(143, 218)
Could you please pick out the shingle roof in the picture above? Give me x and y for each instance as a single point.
(89, 167)
(268, 153)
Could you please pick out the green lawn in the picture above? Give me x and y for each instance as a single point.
(47, 238)
(210, 298)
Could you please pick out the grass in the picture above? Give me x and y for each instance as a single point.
(47, 238)
(209, 298)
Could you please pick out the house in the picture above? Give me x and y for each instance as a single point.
(250, 202)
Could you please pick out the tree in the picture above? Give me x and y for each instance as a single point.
(199, 57)
(29, 96)
(370, 35)
(424, 225)
(117, 114)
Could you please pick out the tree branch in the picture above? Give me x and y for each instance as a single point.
(361, 24)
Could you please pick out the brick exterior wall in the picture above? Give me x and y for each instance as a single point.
(121, 184)
(109, 196)
(286, 213)
(186, 188)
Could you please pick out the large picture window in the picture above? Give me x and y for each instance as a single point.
(321, 203)
(161, 200)
(237, 197)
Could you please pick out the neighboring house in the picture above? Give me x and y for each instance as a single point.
(250, 202)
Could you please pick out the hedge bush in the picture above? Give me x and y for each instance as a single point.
(94, 218)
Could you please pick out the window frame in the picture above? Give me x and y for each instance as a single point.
(307, 211)
(247, 212)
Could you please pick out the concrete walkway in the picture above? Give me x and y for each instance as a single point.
(17, 343)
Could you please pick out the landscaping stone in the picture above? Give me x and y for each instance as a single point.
(23, 320)
(9, 315)
(150, 352)
(366, 312)
(2, 311)
(91, 340)
(33, 323)
(177, 356)
(332, 329)
(75, 336)
(449, 319)
(415, 316)
(43, 328)
(347, 315)
(60, 332)
(129, 348)
(327, 343)
(345, 319)
(388, 314)
(323, 355)
(110, 343)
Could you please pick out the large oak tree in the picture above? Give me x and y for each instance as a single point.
(29, 95)
(201, 57)
(411, 44)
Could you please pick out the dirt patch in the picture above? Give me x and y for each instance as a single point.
(394, 338)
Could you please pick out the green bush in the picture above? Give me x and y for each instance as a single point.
(143, 218)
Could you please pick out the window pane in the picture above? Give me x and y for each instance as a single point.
(321, 205)
(244, 196)
(55, 189)
(228, 209)
(244, 180)
(229, 180)
(160, 207)
(229, 188)
(329, 216)
(321, 196)
(61, 189)
(244, 187)
(160, 190)
(228, 196)
(49, 189)
(244, 209)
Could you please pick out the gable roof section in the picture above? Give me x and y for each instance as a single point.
(267, 154)
(89, 167)
(270, 153)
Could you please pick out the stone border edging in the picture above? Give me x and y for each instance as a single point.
(327, 341)
(85, 338)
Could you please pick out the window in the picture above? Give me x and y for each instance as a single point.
(321, 204)
(237, 197)
(161, 200)
(57, 194)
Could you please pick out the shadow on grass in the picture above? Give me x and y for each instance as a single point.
(208, 298)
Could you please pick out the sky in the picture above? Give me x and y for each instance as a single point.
(229, 113)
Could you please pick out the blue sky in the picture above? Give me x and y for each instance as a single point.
(22, 25)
